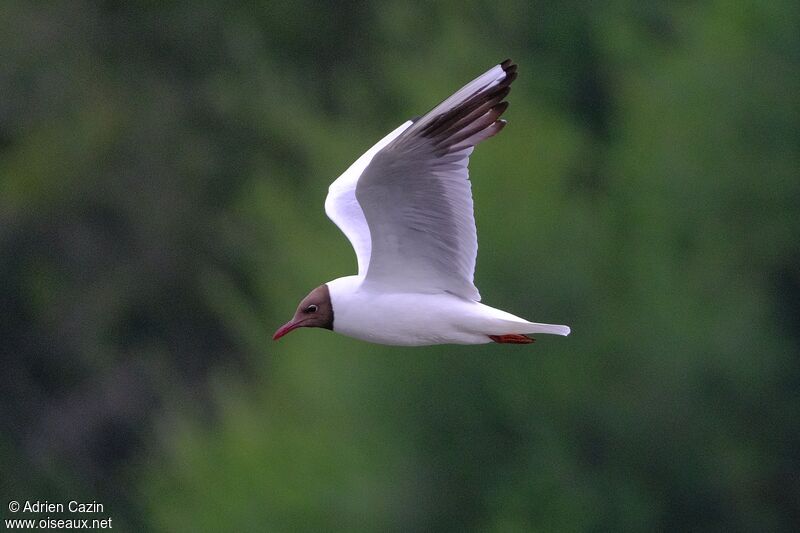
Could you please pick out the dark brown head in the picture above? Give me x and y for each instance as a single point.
(314, 311)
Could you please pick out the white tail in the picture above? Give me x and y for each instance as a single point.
(553, 329)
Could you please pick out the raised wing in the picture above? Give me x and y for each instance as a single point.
(416, 197)
(342, 207)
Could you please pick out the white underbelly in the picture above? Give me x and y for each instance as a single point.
(409, 319)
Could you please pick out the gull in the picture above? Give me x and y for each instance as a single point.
(406, 208)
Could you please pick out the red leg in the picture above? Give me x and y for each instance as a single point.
(512, 338)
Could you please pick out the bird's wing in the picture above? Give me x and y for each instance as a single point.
(416, 197)
(343, 209)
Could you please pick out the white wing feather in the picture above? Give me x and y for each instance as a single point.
(406, 204)
(342, 207)
(416, 195)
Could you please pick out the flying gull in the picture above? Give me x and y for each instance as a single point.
(406, 207)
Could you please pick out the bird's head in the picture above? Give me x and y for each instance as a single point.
(314, 311)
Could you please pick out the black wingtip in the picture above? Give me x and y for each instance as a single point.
(479, 112)
(510, 76)
(500, 108)
(498, 126)
(509, 67)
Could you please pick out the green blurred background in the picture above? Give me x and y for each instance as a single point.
(163, 168)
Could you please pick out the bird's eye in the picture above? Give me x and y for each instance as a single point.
(311, 309)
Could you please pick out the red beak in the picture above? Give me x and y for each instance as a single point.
(286, 328)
